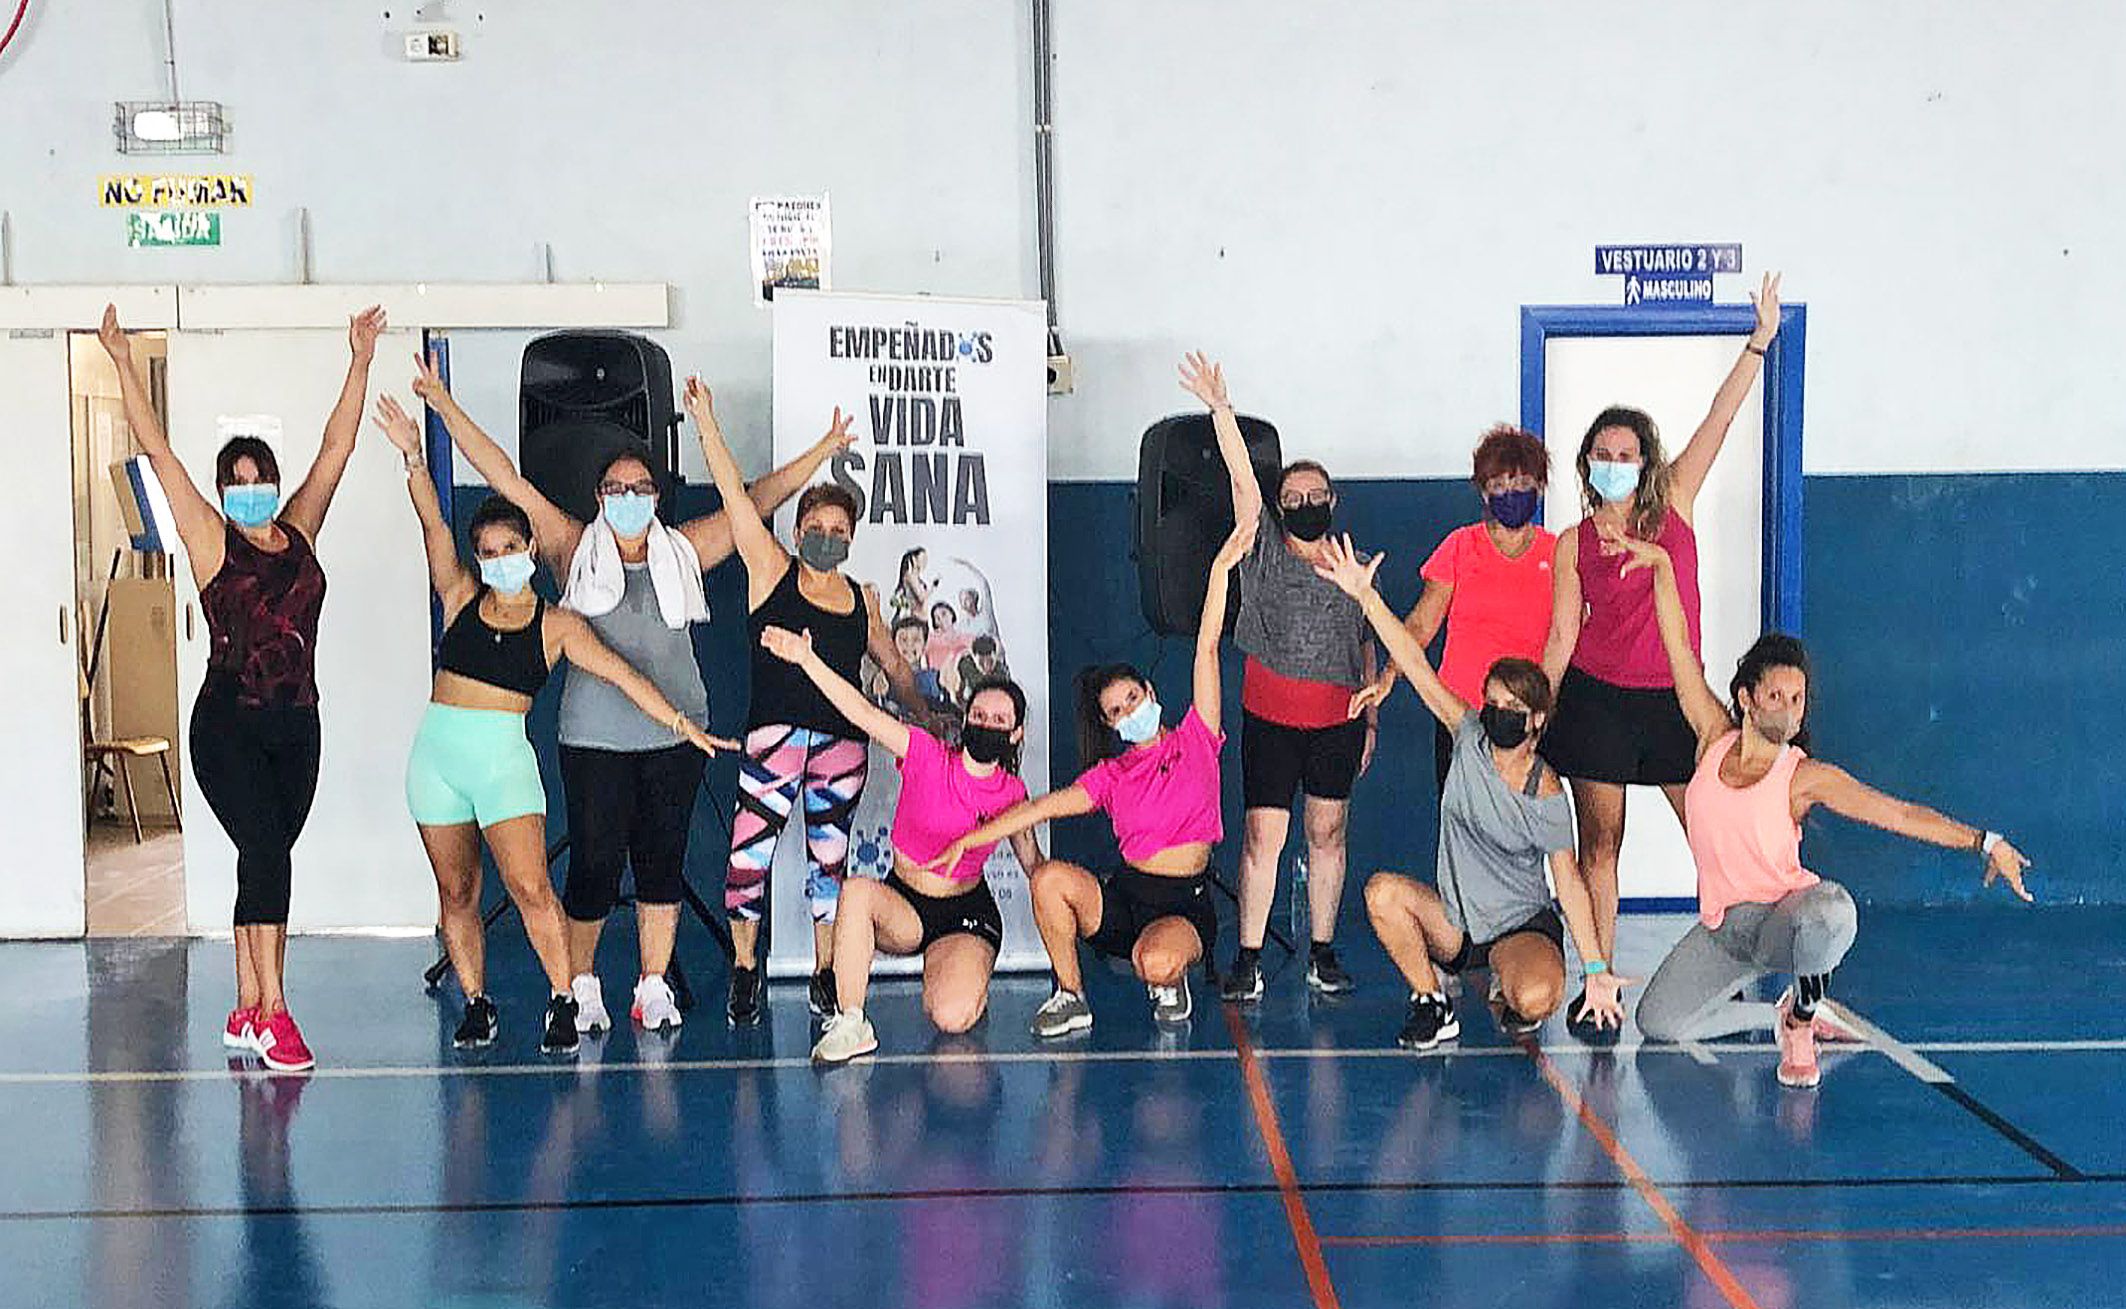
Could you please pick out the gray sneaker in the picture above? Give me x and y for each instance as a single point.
(1061, 1014)
(1171, 1004)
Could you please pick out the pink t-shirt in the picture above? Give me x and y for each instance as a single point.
(1620, 638)
(941, 802)
(1164, 794)
(1744, 839)
(1500, 606)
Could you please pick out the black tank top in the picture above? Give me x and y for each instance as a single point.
(514, 660)
(781, 691)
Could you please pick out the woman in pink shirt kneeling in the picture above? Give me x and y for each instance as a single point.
(1759, 910)
(939, 908)
(1159, 786)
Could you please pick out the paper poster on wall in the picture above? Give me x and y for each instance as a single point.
(792, 243)
(174, 190)
(951, 470)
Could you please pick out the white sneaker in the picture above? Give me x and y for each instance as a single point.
(848, 1035)
(590, 1004)
(654, 1007)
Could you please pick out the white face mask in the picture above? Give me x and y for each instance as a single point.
(1140, 724)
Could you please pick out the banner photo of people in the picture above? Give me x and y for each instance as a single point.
(950, 470)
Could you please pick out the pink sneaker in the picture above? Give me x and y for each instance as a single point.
(1797, 1050)
(240, 1032)
(280, 1044)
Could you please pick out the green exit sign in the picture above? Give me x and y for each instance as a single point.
(183, 227)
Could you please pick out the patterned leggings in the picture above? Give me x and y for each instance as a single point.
(780, 760)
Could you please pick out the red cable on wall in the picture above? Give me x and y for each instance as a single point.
(22, 10)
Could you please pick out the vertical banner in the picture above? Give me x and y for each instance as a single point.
(950, 467)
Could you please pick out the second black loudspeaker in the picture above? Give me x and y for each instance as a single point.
(584, 399)
(1185, 512)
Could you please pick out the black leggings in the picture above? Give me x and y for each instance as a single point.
(258, 770)
(627, 807)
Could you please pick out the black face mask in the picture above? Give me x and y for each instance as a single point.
(985, 745)
(1504, 728)
(1307, 522)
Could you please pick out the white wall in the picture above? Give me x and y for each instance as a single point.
(1348, 201)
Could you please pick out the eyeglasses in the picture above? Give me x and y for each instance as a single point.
(627, 488)
(1311, 500)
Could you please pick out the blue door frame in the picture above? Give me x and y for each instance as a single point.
(1781, 589)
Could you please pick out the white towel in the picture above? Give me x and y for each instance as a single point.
(597, 577)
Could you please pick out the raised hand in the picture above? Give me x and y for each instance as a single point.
(1605, 1000)
(1616, 541)
(362, 331)
(786, 645)
(2006, 864)
(1766, 300)
(702, 741)
(398, 425)
(1204, 380)
(1339, 564)
(840, 435)
(428, 379)
(700, 404)
(113, 336)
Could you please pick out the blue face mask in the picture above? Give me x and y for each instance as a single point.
(509, 573)
(630, 514)
(1514, 509)
(1140, 724)
(251, 504)
(1613, 481)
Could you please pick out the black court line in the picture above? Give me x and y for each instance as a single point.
(1269, 1189)
(2016, 1136)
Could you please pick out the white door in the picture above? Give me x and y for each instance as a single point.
(359, 863)
(40, 715)
(1672, 378)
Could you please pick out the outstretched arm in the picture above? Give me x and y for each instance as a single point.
(199, 522)
(1206, 381)
(876, 723)
(1356, 580)
(1022, 817)
(1211, 626)
(711, 533)
(580, 646)
(1819, 783)
(453, 582)
(1695, 464)
(557, 533)
(1701, 708)
(764, 557)
(306, 508)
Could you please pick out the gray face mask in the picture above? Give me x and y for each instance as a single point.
(822, 551)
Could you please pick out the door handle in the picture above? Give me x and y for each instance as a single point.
(188, 620)
(63, 612)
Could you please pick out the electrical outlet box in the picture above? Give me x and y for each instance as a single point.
(1061, 375)
(432, 46)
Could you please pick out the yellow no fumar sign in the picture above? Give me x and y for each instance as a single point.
(174, 190)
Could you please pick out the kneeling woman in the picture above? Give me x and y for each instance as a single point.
(948, 917)
(1502, 817)
(1759, 910)
(473, 772)
(1159, 786)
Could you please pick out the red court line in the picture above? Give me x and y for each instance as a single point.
(1701, 1252)
(1738, 1236)
(1295, 1204)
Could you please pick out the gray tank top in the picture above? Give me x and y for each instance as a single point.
(1494, 842)
(594, 712)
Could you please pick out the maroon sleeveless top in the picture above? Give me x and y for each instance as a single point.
(262, 611)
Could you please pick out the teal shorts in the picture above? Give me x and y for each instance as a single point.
(472, 766)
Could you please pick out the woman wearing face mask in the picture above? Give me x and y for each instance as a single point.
(1301, 727)
(798, 739)
(629, 786)
(472, 772)
(1759, 910)
(1617, 723)
(1159, 786)
(254, 732)
(948, 917)
(1489, 582)
(1503, 817)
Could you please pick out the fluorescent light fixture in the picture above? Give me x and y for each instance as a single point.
(157, 125)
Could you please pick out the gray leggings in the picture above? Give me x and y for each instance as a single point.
(1691, 996)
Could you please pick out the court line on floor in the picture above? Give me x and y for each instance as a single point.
(1715, 1269)
(1736, 1236)
(1304, 1239)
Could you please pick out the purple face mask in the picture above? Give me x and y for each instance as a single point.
(1514, 509)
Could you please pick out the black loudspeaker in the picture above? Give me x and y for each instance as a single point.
(583, 399)
(1185, 511)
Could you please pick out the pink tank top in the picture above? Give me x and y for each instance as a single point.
(1620, 641)
(1744, 839)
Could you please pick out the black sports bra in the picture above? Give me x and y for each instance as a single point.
(514, 660)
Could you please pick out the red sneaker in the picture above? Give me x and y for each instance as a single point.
(1797, 1050)
(240, 1032)
(280, 1044)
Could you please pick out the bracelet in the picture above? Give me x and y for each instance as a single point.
(1751, 347)
(1594, 967)
(414, 463)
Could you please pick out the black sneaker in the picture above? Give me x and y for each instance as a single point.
(1326, 974)
(1512, 1023)
(479, 1025)
(745, 996)
(1431, 1021)
(1585, 1028)
(825, 1002)
(561, 1035)
(1244, 983)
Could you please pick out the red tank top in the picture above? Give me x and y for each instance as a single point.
(1620, 641)
(262, 610)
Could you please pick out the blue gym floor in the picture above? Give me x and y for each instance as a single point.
(1291, 1158)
